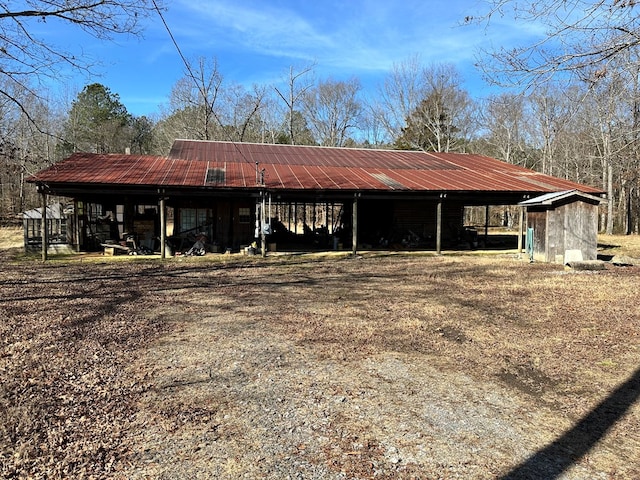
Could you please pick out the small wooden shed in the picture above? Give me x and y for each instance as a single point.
(562, 225)
(59, 228)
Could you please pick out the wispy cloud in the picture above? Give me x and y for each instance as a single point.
(361, 35)
(261, 28)
(256, 41)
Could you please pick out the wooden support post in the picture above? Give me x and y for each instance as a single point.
(520, 228)
(313, 217)
(486, 225)
(256, 234)
(44, 230)
(354, 229)
(333, 218)
(263, 237)
(263, 245)
(439, 227)
(304, 217)
(76, 226)
(163, 228)
(326, 215)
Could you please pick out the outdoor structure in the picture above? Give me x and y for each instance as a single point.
(562, 226)
(228, 195)
(57, 225)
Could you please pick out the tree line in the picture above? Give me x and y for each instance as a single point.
(574, 116)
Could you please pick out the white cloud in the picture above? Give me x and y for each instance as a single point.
(262, 28)
(256, 41)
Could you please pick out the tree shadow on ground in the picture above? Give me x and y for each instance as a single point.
(564, 452)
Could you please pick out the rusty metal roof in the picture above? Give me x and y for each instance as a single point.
(207, 164)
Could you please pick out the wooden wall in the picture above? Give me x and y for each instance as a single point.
(567, 226)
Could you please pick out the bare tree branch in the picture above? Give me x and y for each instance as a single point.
(582, 38)
(27, 59)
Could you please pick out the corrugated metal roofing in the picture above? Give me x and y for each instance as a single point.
(291, 167)
(554, 197)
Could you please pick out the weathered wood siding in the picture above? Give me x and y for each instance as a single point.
(579, 229)
(567, 226)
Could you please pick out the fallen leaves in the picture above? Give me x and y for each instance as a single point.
(77, 401)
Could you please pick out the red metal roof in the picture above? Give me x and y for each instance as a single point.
(292, 167)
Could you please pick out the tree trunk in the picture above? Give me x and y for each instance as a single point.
(609, 230)
(628, 215)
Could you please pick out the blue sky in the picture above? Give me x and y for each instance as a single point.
(256, 41)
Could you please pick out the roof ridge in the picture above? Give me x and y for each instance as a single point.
(325, 147)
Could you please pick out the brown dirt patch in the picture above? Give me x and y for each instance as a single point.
(398, 366)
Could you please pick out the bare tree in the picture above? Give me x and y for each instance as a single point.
(424, 106)
(443, 120)
(504, 119)
(402, 91)
(613, 104)
(332, 109)
(194, 99)
(371, 125)
(198, 93)
(270, 120)
(597, 43)
(582, 38)
(293, 97)
(240, 113)
(23, 148)
(25, 57)
(631, 177)
(551, 109)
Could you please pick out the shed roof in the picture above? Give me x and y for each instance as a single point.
(557, 197)
(55, 211)
(228, 165)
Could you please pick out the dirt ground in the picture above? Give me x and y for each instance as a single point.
(318, 367)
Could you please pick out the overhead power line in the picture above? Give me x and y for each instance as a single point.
(195, 81)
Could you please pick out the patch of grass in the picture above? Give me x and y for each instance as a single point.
(619, 245)
(11, 237)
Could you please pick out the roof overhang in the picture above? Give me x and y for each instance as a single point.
(554, 198)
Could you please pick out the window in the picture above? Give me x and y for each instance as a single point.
(244, 215)
(193, 219)
(146, 209)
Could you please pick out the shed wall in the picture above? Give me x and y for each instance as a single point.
(580, 228)
(568, 226)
